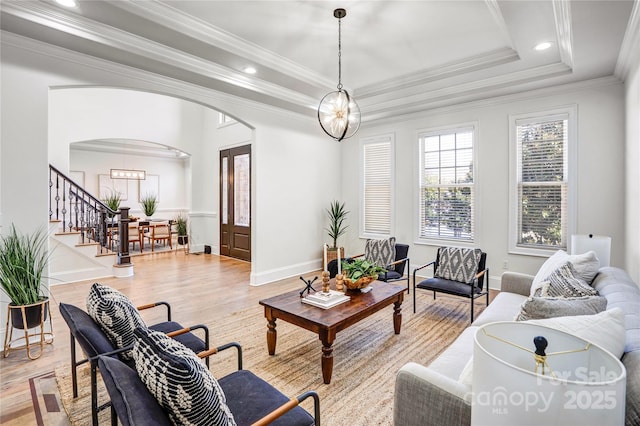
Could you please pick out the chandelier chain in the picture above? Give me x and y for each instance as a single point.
(339, 54)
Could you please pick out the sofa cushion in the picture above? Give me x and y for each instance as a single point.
(179, 380)
(586, 265)
(605, 329)
(502, 308)
(453, 359)
(549, 307)
(115, 314)
(620, 291)
(565, 282)
(631, 361)
(380, 252)
(458, 264)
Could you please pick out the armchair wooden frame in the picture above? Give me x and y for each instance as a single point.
(91, 357)
(471, 290)
(266, 419)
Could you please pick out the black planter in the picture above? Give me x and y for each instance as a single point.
(183, 240)
(33, 314)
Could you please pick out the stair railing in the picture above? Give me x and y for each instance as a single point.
(78, 210)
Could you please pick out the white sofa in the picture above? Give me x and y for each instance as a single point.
(435, 395)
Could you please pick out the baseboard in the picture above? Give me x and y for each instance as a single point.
(266, 277)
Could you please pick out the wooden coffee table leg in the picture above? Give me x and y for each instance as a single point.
(327, 337)
(397, 316)
(272, 335)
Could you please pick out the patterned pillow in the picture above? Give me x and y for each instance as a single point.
(115, 314)
(551, 307)
(565, 282)
(458, 264)
(179, 380)
(380, 252)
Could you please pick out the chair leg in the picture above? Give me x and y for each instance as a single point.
(472, 308)
(74, 376)
(114, 416)
(434, 295)
(414, 295)
(94, 394)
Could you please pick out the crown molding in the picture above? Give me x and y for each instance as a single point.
(562, 19)
(630, 47)
(45, 14)
(488, 102)
(453, 69)
(496, 13)
(146, 81)
(166, 15)
(463, 91)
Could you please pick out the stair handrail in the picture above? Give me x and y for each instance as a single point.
(82, 211)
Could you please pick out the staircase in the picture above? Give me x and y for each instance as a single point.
(79, 237)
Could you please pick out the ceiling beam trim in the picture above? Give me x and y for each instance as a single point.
(630, 48)
(496, 13)
(43, 14)
(176, 19)
(562, 15)
(474, 63)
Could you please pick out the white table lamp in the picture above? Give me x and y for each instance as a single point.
(574, 383)
(598, 243)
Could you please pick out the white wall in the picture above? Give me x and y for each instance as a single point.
(632, 163)
(295, 167)
(600, 185)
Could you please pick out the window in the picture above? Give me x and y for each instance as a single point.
(224, 120)
(377, 173)
(541, 181)
(447, 208)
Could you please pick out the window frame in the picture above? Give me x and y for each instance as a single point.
(390, 138)
(570, 113)
(439, 131)
(225, 120)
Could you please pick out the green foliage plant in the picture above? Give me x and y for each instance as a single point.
(337, 216)
(23, 259)
(113, 200)
(149, 204)
(358, 268)
(181, 224)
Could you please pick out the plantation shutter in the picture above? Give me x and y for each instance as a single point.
(542, 181)
(377, 167)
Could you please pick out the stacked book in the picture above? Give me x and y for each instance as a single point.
(326, 300)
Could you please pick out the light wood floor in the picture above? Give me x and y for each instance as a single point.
(198, 287)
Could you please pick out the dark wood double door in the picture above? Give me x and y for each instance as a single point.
(235, 202)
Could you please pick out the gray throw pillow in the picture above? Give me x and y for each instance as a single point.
(381, 252)
(550, 307)
(565, 282)
(179, 380)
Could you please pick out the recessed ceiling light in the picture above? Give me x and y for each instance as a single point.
(542, 46)
(67, 3)
(250, 70)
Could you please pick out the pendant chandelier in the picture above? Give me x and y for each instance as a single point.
(338, 112)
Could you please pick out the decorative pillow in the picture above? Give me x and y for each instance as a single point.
(381, 252)
(550, 307)
(605, 329)
(586, 266)
(115, 314)
(565, 282)
(458, 264)
(179, 380)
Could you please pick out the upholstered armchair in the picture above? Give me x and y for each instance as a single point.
(456, 271)
(159, 231)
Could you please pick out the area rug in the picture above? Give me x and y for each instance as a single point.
(367, 357)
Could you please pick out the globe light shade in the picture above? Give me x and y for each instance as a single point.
(579, 383)
(339, 115)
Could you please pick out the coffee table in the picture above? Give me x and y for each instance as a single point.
(328, 322)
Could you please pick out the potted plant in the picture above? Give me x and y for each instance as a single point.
(113, 201)
(149, 204)
(181, 228)
(359, 273)
(23, 260)
(337, 227)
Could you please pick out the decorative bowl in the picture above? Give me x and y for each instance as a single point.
(361, 282)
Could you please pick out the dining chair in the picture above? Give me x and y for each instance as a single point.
(159, 231)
